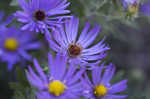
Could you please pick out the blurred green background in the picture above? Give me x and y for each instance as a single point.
(129, 42)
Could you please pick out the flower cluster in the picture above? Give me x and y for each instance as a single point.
(75, 51)
(65, 81)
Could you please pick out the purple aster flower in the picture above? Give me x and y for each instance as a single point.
(100, 87)
(134, 7)
(81, 49)
(38, 15)
(63, 82)
(14, 45)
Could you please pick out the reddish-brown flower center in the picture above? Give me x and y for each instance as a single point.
(39, 15)
(74, 50)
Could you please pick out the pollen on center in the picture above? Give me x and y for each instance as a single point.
(11, 44)
(100, 91)
(56, 88)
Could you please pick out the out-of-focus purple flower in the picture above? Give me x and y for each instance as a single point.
(14, 45)
(4, 23)
(38, 15)
(145, 8)
(65, 41)
(62, 82)
(100, 87)
(135, 6)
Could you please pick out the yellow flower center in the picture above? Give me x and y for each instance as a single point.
(100, 91)
(56, 88)
(11, 44)
(133, 8)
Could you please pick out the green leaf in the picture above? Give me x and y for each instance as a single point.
(22, 92)
(21, 77)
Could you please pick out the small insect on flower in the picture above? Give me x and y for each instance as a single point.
(134, 7)
(14, 45)
(100, 87)
(62, 82)
(38, 15)
(65, 41)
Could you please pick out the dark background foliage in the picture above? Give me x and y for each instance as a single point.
(129, 42)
